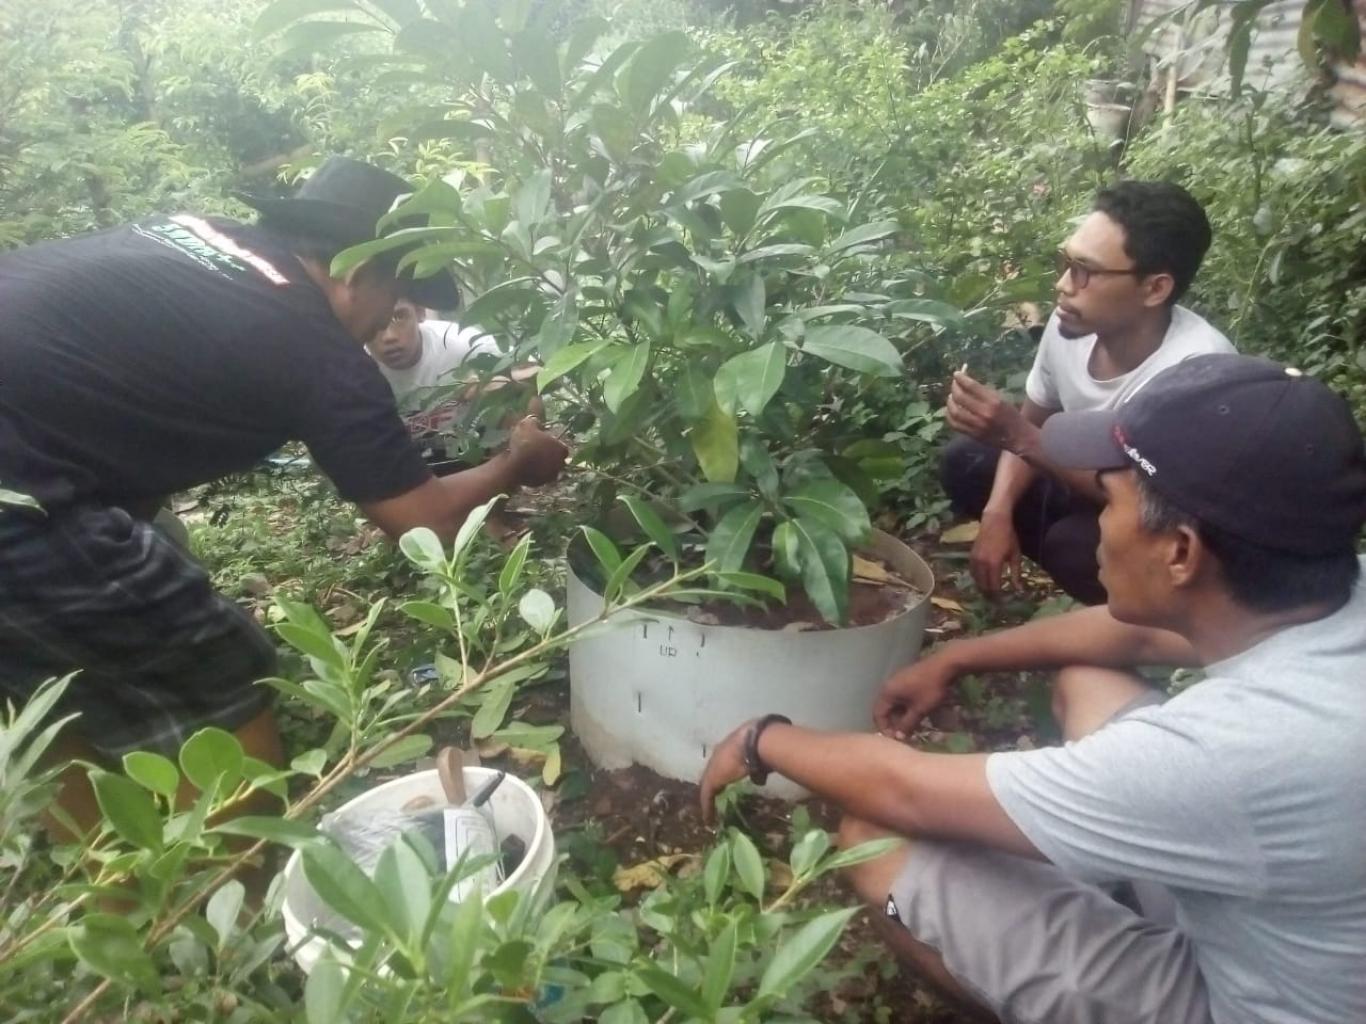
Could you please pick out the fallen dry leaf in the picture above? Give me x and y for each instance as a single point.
(947, 603)
(870, 571)
(527, 758)
(964, 533)
(652, 873)
(490, 748)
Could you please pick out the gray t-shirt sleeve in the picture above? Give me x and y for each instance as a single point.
(1040, 385)
(1141, 798)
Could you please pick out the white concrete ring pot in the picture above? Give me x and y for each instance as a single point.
(661, 691)
(514, 806)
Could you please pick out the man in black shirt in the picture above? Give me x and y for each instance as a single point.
(145, 360)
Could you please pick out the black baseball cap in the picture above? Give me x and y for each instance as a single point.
(343, 201)
(1257, 449)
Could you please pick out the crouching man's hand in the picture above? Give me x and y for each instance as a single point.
(537, 456)
(726, 765)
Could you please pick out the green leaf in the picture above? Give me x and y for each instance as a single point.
(696, 396)
(407, 749)
(709, 184)
(223, 909)
(824, 562)
(284, 12)
(112, 948)
(627, 1012)
(803, 951)
(748, 298)
(716, 872)
(14, 498)
(618, 579)
(758, 463)
(651, 69)
(485, 41)
(673, 991)
(497, 699)
(864, 234)
(429, 612)
(854, 347)
(776, 251)
(343, 886)
(535, 55)
(538, 609)
(310, 762)
(749, 866)
(325, 991)
(275, 830)
(582, 36)
(739, 207)
(754, 581)
(511, 573)
(720, 968)
(864, 852)
(821, 204)
(157, 773)
(566, 359)
(753, 378)
(609, 558)
(210, 756)
(639, 306)
(423, 548)
(315, 645)
(533, 199)
(716, 442)
(833, 504)
(654, 527)
(469, 529)
(405, 885)
(704, 495)
(808, 851)
(731, 538)
(310, 36)
(626, 375)
(128, 808)
(930, 311)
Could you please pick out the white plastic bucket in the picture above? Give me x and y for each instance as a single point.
(514, 807)
(661, 690)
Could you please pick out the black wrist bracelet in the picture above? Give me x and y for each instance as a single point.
(758, 772)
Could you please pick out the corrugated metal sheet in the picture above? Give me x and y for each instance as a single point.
(1196, 46)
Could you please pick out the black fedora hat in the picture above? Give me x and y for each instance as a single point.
(342, 201)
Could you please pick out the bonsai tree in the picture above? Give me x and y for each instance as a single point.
(703, 314)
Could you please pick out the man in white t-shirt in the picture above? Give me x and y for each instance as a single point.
(416, 354)
(422, 359)
(1193, 861)
(1116, 325)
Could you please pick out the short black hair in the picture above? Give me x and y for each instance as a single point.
(1259, 578)
(1165, 228)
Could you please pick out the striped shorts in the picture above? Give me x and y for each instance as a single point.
(158, 653)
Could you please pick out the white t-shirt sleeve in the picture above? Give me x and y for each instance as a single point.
(1041, 384)
(1141, 798)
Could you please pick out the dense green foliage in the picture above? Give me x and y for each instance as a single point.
(748, 243)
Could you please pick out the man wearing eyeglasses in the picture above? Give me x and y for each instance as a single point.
(1116, 325)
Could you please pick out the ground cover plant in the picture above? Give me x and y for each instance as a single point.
(747, 271)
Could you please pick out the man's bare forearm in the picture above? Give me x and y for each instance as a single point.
(1013, 477)
(1028, 449)
(907, 791)
(470, 488)
(1089, 636)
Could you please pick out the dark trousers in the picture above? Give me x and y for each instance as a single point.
(1056, 531)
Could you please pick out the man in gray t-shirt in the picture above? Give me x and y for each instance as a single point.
(1193, 861)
